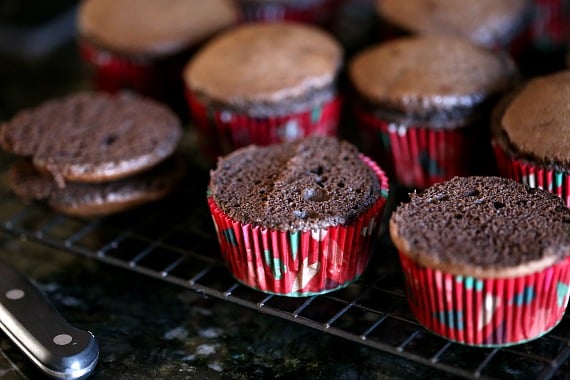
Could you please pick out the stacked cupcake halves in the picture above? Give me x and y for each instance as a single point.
(93, 154)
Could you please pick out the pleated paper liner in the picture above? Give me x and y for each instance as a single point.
(554, 181)
(487, 312)
(551, 24)
(307, 11)
(300, 263)
(114, 72)
(221, 131)
(417, 157)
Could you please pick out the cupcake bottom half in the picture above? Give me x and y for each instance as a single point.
(490, 312)
(555, 181)
(418, 157)
(300, 263)
(221, 131)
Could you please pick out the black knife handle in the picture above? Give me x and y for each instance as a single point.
(59, 349)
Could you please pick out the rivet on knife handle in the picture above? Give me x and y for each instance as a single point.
(59, 349)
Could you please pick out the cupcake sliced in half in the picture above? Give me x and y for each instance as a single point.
(297, 218)
(486, 259)
(531, 134)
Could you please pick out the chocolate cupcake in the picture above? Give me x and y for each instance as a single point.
(143, 44)
(264, 84)
(531, 134)
(486, 259)
(422, 105)
(297, 218)
(494, 24)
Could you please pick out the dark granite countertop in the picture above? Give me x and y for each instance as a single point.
(148, 329)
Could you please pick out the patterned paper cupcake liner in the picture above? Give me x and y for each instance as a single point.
(555, 181)
(300, 263)
(550, 27)
(221, 131)
(490, 312)
(417, 156)
(308, 11)
(114, 72)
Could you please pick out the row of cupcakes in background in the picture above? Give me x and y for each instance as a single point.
(422, 103)
(128, 51)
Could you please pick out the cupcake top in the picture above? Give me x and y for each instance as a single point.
(313, 183)
(431, 76)
(483, 226)
(93, 137)
(261, 65)
(486, 22)
(534, 122)
(150, 27)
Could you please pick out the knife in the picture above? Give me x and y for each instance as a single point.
(56, 347)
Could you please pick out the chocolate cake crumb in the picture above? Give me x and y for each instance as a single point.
(312, 183)
(487, 222)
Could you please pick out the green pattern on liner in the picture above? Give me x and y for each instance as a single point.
(294, 240)
(385, 138)
(562, 291)
(558, 178)
(277, 267)
(230, 236)
(471, 283)
(316, 114)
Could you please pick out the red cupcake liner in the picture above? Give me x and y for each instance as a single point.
(554, 181)
(300, 263)
(308, 11)
(487, 311)
(550, 26)
(113, 72)
(417, 156)
(221, 131)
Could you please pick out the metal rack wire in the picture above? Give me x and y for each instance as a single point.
(179, 247)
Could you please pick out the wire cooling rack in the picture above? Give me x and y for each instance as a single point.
(174, 241)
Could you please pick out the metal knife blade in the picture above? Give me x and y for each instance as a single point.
(59, 349)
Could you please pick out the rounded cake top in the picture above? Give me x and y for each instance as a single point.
(423, 74)
(265, 63)
(313, 183)
(486, 22)
(150, 27)
(93, 137)
(483, 226)
(536, 120)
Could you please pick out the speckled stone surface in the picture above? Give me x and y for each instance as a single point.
(150, 329)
